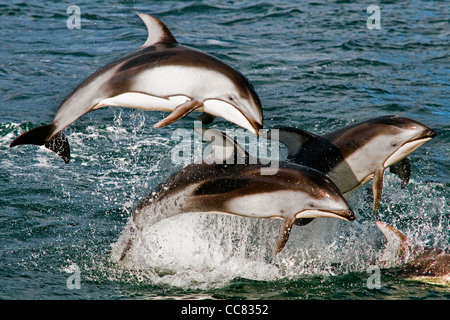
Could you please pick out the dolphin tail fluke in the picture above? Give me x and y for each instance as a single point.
(60, 145)
(179, 112)
(285, 231)
(38, 136)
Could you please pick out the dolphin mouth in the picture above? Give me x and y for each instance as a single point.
(232, 113)
(410, 146)
(427, 134)
(345, 214)
(254, 125)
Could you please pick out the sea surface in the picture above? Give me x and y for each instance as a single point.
(315, 65)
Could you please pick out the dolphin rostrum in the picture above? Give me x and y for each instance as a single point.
(160, 75)
(414, 260)
(353, 155)
(294, 193)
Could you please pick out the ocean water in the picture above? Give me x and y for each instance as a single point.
(315, 65)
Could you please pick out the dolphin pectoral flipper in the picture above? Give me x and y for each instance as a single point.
(128, 244)
(125, 251)
(43, 136)
(377, 188)
(403, 170)
(285, 231)
(179, 112)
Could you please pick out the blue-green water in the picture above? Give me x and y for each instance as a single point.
(314, 64)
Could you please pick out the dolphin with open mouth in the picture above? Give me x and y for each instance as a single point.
(161, 75)
(292, 194)
(353, 155)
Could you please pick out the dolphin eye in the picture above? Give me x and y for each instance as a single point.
(393, 144)
(311, 204)
(230, 98)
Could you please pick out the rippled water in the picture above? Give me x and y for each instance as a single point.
(314, 64)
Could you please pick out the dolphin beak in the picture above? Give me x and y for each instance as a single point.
(344, 214)
(410, 146)
(428, 134)
(255, 125)
(233, 113)
(251, 123)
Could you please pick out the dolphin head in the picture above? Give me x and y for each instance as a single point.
(235, 100)
(320, 198)
(404, 136)
(308, 194)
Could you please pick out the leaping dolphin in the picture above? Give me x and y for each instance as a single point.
(294, 193)
(160, 75)
(353, 155)
(414, 260)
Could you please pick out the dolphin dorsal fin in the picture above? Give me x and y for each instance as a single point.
(294, 139)
(157, 31)
(223, 148)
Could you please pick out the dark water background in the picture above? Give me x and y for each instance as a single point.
(314, 64)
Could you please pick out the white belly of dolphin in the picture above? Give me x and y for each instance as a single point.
(137, 100)
(144, 101)
(276, 204)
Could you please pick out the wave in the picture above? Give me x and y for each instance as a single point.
(118, 159)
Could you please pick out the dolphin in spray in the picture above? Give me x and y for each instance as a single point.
(217, 185)
(414, 260)
(160, 75)
(353, 155)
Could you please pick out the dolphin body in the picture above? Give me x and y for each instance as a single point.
(353, 155)
(292, 194)
(414, 260)
(160, 75)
